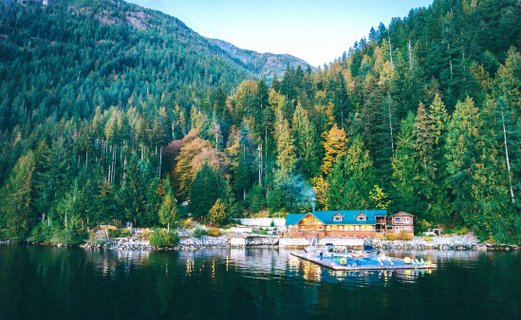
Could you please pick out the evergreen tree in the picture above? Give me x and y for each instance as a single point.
(205, 190)
(352, 178)
(379, 198)
(307, 143)
(217, 215)
(16, 212)
(168, 210)
(286, 158)
(405, 166)
(335, 142)
(460, 153)
(132, 195)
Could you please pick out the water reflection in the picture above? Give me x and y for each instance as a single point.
(40, 283)
(265, 264)
(253, 263)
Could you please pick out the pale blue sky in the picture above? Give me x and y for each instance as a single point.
(317, 31)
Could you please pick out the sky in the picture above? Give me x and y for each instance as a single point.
(317, 31)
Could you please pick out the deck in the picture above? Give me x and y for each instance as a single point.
(331, 264)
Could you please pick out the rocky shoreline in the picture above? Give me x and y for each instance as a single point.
(465, 242)
(461, 243)
(189, 243)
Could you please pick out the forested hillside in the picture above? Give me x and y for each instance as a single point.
(106, 124)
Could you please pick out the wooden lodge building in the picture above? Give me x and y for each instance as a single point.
(348, 223)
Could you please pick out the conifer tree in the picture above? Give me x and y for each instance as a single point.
(335, 142)
(306, 143)
(352, 178)
(132, 194)
(16, 212)
(286, 157)
(404, 166)
(217, 214)
(168, 210)
(460, 153)
(205, 190)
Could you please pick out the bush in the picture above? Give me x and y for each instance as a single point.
(391, 237)
(199, 233)
(164, 238)
(42, 232)
(214, 232)
(423, 225)
(457, 230)
(427, 238)
(260, 231)
(462, 231)
(70, 236)
(55, 233)
(407, 236)
(187, 224)
(120, 233)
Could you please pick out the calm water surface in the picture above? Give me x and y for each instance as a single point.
(46, 283)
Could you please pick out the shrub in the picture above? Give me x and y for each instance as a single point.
(199, 233)
(70, 236)
(462, 231)
(120, 233)
(427, 238)
(42, 232)
(145, 235)
(55, 233)
(164, 238)
(423, 225)
(391, 237)
(187, 224)
(214, 232)
(217, 214)
(260, 231)
(407, 236)
(456, 230)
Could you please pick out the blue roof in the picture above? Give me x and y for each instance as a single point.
(294, 218)
(349, 216)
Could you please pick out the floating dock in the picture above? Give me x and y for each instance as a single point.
(340, 262)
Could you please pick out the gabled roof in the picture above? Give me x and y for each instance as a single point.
(402, 213)
(294, 218)
(326, 217)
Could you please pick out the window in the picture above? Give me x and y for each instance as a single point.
(397, 220)
(361, 217)
(338, 217)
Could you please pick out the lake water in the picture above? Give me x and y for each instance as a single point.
(48, 283)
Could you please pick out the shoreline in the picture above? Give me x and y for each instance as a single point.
(442, 243)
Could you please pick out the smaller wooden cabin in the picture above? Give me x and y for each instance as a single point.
(401, 222)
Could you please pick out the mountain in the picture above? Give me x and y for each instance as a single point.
(115, 12)
(105, 52)
(264, 65)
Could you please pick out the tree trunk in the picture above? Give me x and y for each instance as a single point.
(160, 160)
(390, 121)
(390, 48)
(507, 157)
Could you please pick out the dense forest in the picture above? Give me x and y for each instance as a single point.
(104, 121)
